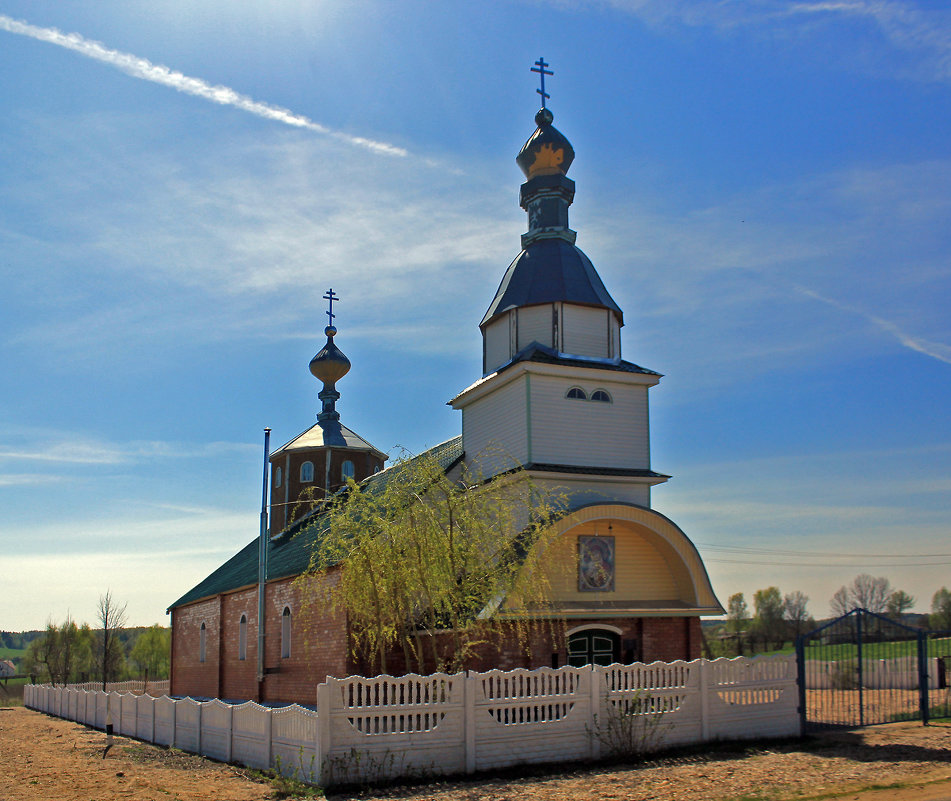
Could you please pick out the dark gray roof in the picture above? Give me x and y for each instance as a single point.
(550, 271)
(633, 472)
(536, 352)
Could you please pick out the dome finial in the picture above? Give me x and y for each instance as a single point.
(329, 366)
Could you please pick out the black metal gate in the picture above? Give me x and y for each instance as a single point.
(864, 668)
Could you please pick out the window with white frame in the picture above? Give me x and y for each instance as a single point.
(307, 472)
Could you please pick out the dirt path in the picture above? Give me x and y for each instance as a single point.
(46, 758)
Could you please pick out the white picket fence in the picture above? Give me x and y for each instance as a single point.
(385, 727)
(135, 686)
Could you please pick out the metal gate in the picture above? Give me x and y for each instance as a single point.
(864, 668)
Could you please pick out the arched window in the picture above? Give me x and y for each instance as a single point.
(346, 470)
(286, 633)
(278, 475)
(307, 472)
(600, 395)
(243, 637)
(576, 393)
(201, 642)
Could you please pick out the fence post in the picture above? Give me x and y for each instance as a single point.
(230, 731)
(801, 681)
(594, 719)
(704, 700)
(468, 720)
(923, 700)
(268, 737)
(324, 703)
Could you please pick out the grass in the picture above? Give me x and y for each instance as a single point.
(13, 654)
(870, 650)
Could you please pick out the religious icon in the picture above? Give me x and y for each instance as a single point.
(595, 564)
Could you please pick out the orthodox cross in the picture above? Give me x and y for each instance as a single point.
(542, 72)
(331, 297)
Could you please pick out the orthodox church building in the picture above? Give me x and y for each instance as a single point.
(557, 399)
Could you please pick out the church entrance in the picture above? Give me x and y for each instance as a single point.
(593, 647)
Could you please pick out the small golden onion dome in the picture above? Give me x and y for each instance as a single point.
(330, 365)
(547, 151)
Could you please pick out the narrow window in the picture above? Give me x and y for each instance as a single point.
(243, 637)
(286, 633)
(278, 475)
(576, 393)
(201, 643)
(346, 470)
(600, 395)
(307, 472)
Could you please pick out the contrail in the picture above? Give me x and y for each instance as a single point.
(157, 73)
(935, 350)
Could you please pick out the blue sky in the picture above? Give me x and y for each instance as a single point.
(764, 187)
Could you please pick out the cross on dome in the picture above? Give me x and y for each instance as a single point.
(542, 72)
(330, 296)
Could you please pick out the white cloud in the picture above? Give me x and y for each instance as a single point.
(922, 35)
(67, 449)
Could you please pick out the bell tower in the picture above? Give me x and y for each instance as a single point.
(556, 397)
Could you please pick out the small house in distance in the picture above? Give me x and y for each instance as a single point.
(559, 401)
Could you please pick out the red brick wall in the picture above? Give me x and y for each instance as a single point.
(364, 464)
(318, 646)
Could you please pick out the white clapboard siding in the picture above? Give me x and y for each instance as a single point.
(589, 433)
(535, 325)
(494, 427)
(498, 342)
(595, 489)
(586, 331)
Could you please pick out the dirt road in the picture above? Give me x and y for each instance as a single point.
(46, 758)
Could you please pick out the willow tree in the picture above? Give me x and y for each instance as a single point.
(435, 567)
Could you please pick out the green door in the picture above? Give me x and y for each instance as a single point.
(593, 647)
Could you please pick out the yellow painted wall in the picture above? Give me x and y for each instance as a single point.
(646, 568)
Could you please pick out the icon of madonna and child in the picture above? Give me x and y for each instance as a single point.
(595, 564)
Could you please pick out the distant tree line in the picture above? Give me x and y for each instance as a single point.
(777, 620)
(18, 640)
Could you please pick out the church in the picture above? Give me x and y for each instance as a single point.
(555, 398)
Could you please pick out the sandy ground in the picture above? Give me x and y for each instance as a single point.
(46, 758)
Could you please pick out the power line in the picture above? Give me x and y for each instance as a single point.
(820, 554)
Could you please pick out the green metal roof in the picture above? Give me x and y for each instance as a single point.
(289, 553)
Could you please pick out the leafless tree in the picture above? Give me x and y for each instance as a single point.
(865, 592)
(112, 617)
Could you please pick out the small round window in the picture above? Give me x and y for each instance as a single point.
(600, 395)
(576, 393)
